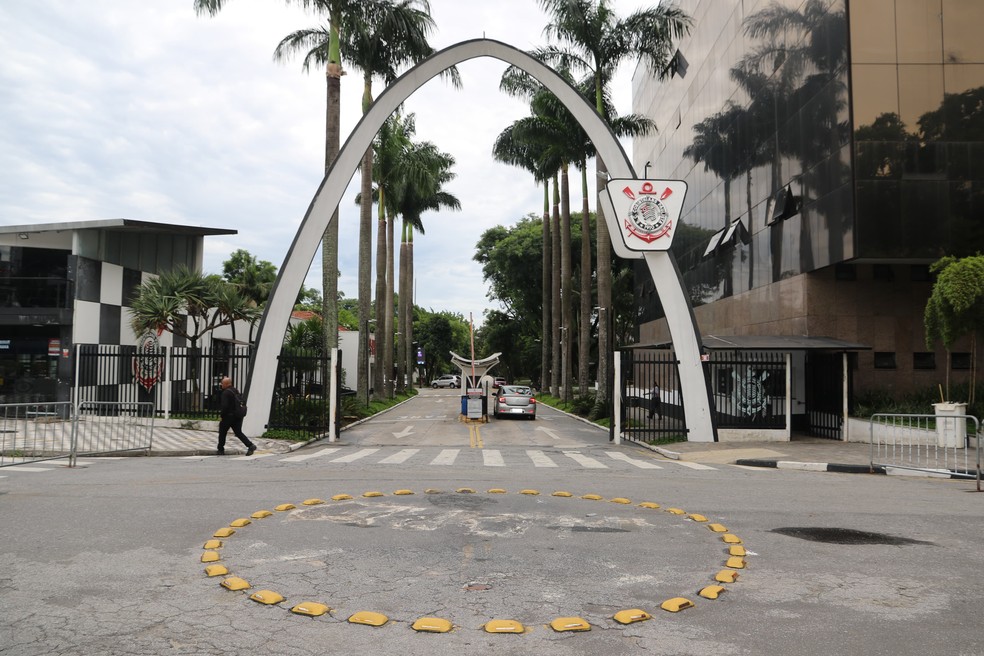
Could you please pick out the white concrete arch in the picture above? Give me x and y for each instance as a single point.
(269, 340)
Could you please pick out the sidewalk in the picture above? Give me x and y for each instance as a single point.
(184, 442)
(811, 454)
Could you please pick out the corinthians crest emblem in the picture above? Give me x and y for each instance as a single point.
(648, 217)
(148, 363)
(646, 211)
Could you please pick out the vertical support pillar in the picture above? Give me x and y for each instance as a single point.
(845, 373)
(617, 388)
(789, 396)
(333, 398)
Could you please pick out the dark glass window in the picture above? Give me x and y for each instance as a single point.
(923, 360)
(883, 272)
(920, 273)
(960, 361)
(884, 360)
(845, 272)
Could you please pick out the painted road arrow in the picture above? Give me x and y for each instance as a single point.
(403, 433)
(548, 432)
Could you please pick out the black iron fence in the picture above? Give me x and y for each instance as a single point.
(652, 401)
(748, 389)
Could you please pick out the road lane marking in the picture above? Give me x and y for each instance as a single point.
(493, 458)
(352, 457)
(694, 465)
(584, 461)
(308, 456)
(641, 464)
(399, 457)
(446, 457)
(540, 459)
(405, 432)
(548, 432)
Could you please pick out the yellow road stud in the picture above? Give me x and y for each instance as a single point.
(239, 523)
(650, 505)
(234, 583)
(342, 497)
(432, 490)
(285, 506)
(632, 615)
(570, 624)
(531, 493)
(312, 502)
(310, 608)
(497, 490)
(212, 544)
(717, 528)
(223, 533)
(210, 556)
(268, 597)
(503, 626)
(621, 500)
(731, 539)
(368, 618)
(676, 604)
(592, 497)
(735, 562)
(432, 625)
(726, 576)
(465, 490)
(676, 511)
(372, 493)
(697, 518)
(561, 493)
(711, 591)
(216, 570)
(403, 493)
(261, 514)
(737, 550)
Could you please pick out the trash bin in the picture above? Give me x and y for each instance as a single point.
(951, 427)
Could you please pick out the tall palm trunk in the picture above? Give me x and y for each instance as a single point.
(545, 287)
(329, 243)
(365, 256)
(555, 309)
(584, 330)
(401, 341)
(566, 281)
(408, 325)
(604, 268)
(388, 325)
(378, 384)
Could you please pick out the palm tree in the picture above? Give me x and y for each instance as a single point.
(595, 41)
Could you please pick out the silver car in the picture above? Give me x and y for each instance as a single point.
(514, 400)
(447, 380)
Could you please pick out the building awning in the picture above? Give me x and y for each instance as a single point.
(117, 225)
(765, 343)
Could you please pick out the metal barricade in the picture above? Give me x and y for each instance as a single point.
(32, 432)
(104, 427)
(941, 445)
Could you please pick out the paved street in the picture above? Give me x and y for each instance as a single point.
(472, 523)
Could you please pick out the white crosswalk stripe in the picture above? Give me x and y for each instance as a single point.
(399, 457)
(641, 464)
(693, 465)
(308, 456)
(352, 457)
(446, 457)
(492, 458)
(540, 459)
(584, 461)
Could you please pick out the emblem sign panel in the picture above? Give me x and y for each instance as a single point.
(647, 211)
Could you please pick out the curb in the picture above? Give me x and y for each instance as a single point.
(812, 466)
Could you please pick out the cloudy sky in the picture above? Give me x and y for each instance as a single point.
(141, 109)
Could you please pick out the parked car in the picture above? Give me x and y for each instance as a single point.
(514, 400)
(447, 380)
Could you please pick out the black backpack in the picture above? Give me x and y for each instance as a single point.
(241, 409)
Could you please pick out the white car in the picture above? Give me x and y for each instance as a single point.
(447, 380)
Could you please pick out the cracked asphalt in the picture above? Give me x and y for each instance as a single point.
(106, 558)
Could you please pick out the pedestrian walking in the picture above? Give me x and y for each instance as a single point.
(655, 407)
(231, 414)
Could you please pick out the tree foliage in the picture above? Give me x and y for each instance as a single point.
(956, 305)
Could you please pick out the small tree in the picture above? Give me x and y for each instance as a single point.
(956, 308)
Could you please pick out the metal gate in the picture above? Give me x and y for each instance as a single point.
(825, 394)
(307, 387)
(651, 407)
(938, 445)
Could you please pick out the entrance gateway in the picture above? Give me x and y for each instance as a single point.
(648, 213)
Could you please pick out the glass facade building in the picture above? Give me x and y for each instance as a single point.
(833, 149)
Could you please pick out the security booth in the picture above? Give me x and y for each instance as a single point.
(475, 385)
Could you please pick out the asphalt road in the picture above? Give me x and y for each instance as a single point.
(106, 558)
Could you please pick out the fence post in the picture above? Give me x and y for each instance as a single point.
(616, 418)
(788, 405)
(333, 397)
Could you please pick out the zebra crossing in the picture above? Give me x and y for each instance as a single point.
(449, 457)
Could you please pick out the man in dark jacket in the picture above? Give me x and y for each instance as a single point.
(230, 417)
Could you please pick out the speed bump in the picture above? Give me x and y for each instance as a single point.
(403, 493)
(212, 544)
(711, 591)
(726, 576)
(432, 490)
(676, 604)
(372, 493)
(718, 528)
(432, 625)
(465, 490)
(310, 608)
(239, 523)
(649, 505)
(285, 506)
(503, 626)
(260, 514)
(531, 493)
(235, 583)
(621, 500)
(676, 511)
(561, 493)
(210, 556)
(216, 570)
(592, 497)
(737, 550)
(570, 624)
(731, 539)
(697, 518)
(735, 562)
(312, 502)
(268, 597)
(342, 497)
(368, 618)
(632, 615)
(497, 490)
(223, 532)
